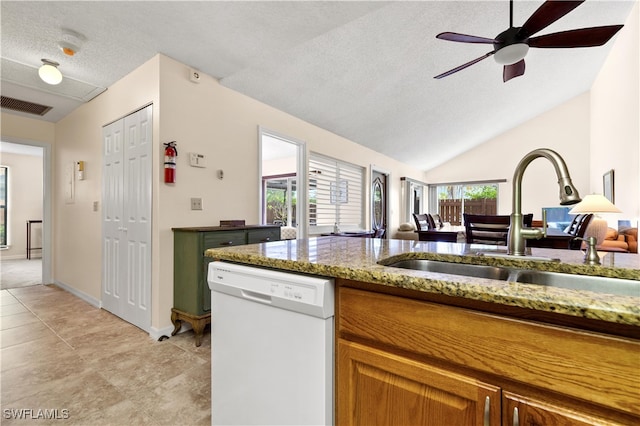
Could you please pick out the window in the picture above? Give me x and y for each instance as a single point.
(453, 199)
(336, 195)
(3, 205)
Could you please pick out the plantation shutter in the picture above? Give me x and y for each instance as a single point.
(335, 195)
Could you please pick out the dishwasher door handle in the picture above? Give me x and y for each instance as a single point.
(256, 297)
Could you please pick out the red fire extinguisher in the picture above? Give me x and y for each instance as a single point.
(170, 154)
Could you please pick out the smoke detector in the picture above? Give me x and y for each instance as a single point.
(71, 42)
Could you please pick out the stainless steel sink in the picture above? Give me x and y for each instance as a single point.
(616, 286)
(478, 271)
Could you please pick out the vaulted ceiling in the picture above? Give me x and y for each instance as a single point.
(363, 70)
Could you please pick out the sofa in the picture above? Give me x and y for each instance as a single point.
(623, 239)
(406, 231)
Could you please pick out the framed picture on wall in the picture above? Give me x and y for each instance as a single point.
(607, 186)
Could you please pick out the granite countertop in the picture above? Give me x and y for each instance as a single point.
(358, 259)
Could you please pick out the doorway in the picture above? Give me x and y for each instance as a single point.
(282, 173)
(28, 174)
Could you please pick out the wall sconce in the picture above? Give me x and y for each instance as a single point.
(49, 72)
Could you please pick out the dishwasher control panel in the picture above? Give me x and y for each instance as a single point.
(294, 292)
(308, 294)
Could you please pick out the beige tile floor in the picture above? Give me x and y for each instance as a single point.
(58, 352)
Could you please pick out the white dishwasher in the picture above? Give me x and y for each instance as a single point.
(272, 347)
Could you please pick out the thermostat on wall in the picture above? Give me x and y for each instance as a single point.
(196, 160)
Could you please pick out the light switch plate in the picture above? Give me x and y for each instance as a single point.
(196, 160)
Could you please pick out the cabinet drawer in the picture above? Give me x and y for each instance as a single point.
(224, 239)
(263, 235)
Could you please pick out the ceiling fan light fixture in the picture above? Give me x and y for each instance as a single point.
(49, 72)
(511, 54)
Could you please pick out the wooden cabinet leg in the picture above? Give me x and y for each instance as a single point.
(177, 323)
(198, 323)
(198, 329)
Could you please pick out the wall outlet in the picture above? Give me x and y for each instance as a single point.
(196, 204)
(95, 206)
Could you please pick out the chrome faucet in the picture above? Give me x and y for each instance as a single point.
(568, 195)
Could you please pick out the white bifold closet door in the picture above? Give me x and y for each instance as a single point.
(126, 217)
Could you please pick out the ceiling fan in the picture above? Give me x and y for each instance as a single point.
(511, 46)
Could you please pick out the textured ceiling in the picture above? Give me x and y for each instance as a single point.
(363, 70)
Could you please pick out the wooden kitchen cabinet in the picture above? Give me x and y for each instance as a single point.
(191, 294)
(381, 388)
(405, 361)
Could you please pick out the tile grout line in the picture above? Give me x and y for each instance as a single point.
(43, 322)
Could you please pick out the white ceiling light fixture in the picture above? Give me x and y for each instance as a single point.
(49, 72)
(511, 54)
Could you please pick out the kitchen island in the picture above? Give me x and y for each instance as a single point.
(430, 348)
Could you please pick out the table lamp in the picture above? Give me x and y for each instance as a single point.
(595, 203)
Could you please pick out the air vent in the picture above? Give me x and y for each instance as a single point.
(24, 106)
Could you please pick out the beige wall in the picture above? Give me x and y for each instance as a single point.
(564, 129)
(77, 228)
(25, 193)
(615, 124)
(17, 128)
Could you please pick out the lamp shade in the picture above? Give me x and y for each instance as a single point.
(594, 203)
(49, 73)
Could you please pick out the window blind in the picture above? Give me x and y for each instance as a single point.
(335, 194)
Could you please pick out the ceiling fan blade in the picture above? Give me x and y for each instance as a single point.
(464, 38)
(547, 14)
(583, 37)
(461, 67)
(513, 70)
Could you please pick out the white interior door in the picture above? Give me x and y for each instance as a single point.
(126, 227)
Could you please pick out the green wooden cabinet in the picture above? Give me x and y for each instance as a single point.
(191, 294)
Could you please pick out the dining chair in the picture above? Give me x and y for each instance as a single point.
(379, 233)
(486, 229)
(424, 222)
(577, 229)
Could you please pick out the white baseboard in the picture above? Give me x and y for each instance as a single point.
(154, 333)
(15, 257)
(89, 299)
(157, 333)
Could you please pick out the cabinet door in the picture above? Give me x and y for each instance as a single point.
(263, 235)
(522, 411)
(377, 387)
